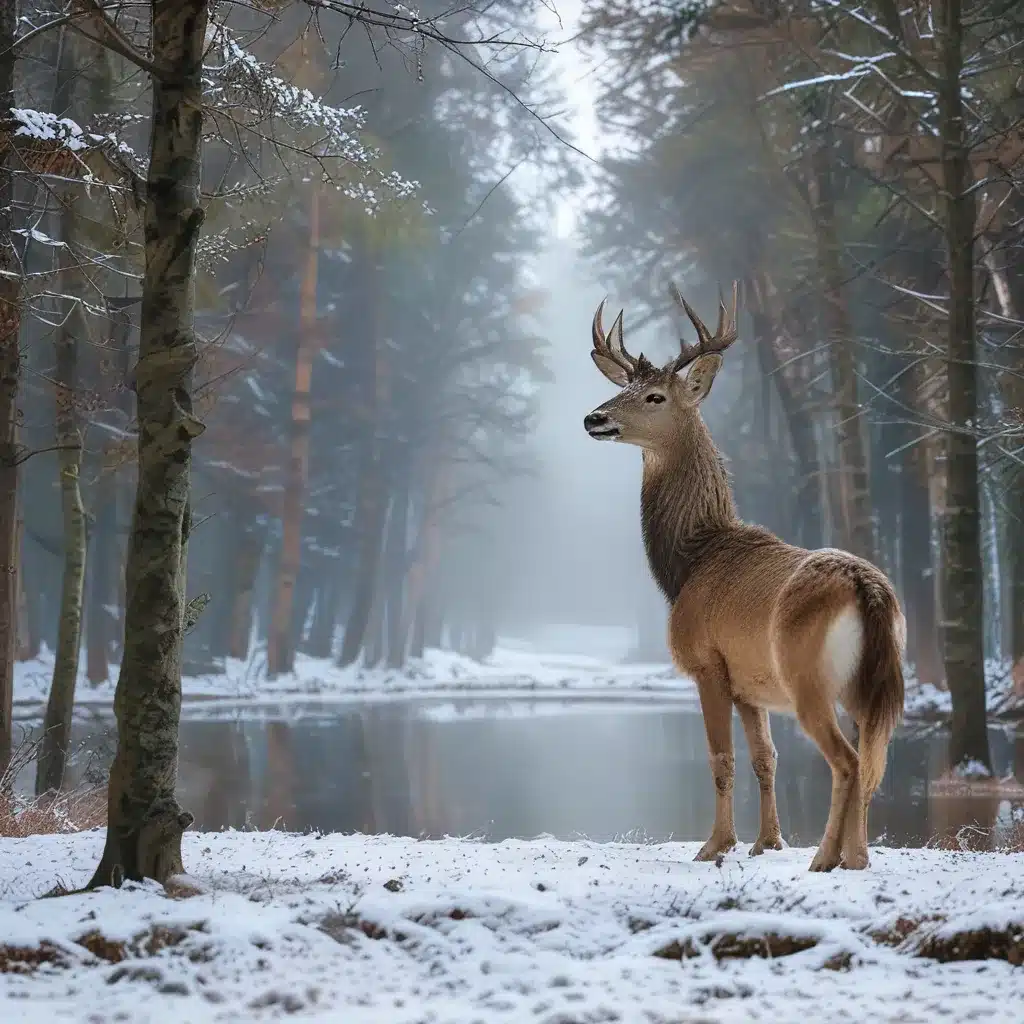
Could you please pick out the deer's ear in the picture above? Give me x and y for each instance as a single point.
(701, 376)
(611, 369)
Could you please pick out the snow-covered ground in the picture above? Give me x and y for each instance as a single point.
(394, 931)
(514, 669)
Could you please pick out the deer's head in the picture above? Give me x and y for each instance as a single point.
(656, 403)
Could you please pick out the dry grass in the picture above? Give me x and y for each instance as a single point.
(73, 810)
(49, 815)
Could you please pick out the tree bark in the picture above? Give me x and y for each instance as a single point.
(963, 626)
(372, 506)
(801, 433)
(320, 642)
(1009, 299)
(281, 636)
(53, 753)
(10, 373)
(145, 822)
(917, 564)
(101, 591)
(857, 526)
(396, 563)
(250, 544)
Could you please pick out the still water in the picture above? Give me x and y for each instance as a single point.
(501, 769)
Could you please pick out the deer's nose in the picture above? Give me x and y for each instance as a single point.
(594, 419)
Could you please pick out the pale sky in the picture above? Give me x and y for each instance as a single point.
(560, 24)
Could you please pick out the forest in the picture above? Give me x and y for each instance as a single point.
(270, 343)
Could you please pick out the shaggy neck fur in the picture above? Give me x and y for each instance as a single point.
(685, 504)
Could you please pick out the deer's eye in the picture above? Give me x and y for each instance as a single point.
(655, 397)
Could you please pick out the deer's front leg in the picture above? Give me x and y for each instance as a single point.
(715, 702)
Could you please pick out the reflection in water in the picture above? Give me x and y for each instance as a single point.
(523, 769)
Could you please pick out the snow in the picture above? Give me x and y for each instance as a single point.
(515, 669)
(378, 930)
(509, 671)
(924, 701)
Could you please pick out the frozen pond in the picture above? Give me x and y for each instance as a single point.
(500, 769)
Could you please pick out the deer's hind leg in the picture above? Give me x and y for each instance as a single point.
(817, 717)
(763, 759)
(716, 705)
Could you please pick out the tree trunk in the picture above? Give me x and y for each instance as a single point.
(857, 526)
(1009, 298)
(801, 433)
(60, 706)
(251, 542)
(373, 640)
(396, 563)
(121, 475)
(917, 565)
(145, 823)
(10, 372)
(321, 633)
(420, 598)
(418, 633)
(372, 506)
(98, 625)
(963, 628)
(27, 637)
(281, 635)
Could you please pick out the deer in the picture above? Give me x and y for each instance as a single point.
(758, 624)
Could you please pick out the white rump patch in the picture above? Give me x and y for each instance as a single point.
(844, 642)
(900, 627)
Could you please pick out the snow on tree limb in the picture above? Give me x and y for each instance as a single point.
(52, 145)
(241, 82)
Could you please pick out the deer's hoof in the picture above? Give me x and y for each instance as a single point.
(771, 843)
(856, 860)
(825, 860)
(715, 847)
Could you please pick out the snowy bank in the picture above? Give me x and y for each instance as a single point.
(511, 671)
(376, 929)
(508, 671)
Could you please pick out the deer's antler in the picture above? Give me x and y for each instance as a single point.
(725, 334)
(610, 346)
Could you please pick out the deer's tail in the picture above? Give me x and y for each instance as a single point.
(876, 700)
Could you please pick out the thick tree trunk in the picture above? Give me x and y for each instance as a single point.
(857, 526)
(281, 635)
(145, 822)
(10, 372)
(60, 706)
(963, 626)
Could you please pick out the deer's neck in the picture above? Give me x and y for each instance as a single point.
(685, 502)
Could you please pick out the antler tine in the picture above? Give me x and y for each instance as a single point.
(703, 334)
(707, 343)
(726, 317)
(611, 345)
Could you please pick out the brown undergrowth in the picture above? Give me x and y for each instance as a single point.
(75, 811)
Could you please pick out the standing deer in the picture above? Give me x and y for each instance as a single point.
(757, 623)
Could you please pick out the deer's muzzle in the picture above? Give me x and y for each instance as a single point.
(600, 425)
